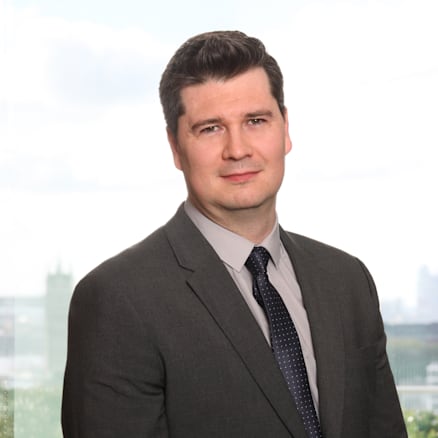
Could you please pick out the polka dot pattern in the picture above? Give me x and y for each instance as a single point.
(284, 340)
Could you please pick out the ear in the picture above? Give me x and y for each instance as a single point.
(287, 139)
(173, 142)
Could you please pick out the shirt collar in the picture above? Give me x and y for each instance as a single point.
(231, 248)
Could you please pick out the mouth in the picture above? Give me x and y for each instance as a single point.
(240, 177)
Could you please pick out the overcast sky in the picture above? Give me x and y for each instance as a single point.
(85, 169)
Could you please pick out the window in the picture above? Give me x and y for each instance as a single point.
(85, 164)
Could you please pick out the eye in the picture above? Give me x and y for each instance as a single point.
(256, 121)
(209, 129)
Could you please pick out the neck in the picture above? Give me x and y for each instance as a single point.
(254, 231)
(254, 224)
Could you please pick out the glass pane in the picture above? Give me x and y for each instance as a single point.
(85, 169)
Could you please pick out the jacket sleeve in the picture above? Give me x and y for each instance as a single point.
(387, 419)
(114, 378)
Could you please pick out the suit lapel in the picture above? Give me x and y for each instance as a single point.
(217, 291)
(318, 288)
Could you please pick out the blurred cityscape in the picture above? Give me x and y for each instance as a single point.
(33, 333)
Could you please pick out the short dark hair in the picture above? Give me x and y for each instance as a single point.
(214, 55)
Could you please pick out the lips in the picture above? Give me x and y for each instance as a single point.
(239, 177)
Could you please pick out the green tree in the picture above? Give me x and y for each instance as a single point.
(37, 413)
(422, 424)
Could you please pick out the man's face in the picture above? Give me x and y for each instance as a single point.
(231, 144)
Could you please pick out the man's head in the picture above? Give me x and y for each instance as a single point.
(214, 55)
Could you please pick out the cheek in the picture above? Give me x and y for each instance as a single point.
(202, 160)
(276, 155)
(198, 170)
(276, 166)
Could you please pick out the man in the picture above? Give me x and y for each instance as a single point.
(220, 323)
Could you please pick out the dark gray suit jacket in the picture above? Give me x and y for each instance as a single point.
(162, 344)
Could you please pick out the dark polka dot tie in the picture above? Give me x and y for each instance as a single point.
(285, 343)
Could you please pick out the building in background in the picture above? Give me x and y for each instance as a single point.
(427, 298)
(425, 308)
(33, 334)
(59, 287)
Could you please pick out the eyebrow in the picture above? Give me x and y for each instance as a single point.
(254, 115)
(219, 120)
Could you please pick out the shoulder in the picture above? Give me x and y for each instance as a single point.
(146, 256)
(138, 273)
(311, 247)
(135, 258)
(331, 259)
(147, 269)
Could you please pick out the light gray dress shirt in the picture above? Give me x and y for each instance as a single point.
(234, 250)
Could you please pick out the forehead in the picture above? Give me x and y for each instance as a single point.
(251, 88)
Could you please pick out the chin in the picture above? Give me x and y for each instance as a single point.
(247, 203)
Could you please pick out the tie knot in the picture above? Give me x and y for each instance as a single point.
(258, 260)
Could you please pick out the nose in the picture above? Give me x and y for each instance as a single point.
(236, 145)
